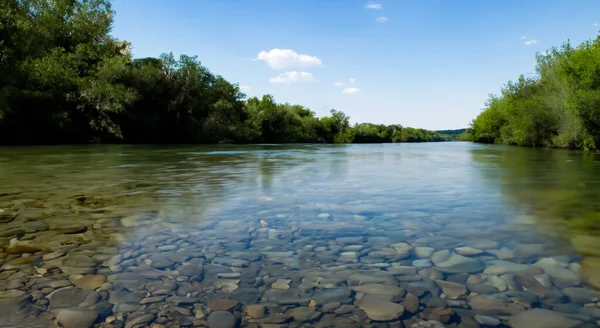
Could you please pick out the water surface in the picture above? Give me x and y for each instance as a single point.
(424, 235)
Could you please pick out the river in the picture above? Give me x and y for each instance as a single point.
(422, 235)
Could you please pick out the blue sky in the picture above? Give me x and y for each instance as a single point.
(420, 63)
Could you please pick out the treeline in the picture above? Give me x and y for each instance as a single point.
(64, 79)
(559, 107)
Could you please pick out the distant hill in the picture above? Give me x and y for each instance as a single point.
(451, 132)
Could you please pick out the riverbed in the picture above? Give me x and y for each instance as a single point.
(446, 234)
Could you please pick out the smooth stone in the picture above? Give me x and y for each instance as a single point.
(526, 299)
(538, 284)
(12, 293)
(255, 310)
(379, 309)
(221, 319)
(412, 277)
(431, 273)
(70, 297)
(403, 249)
(53, 255)
(348, 256)
(593, 312)
(20, 261)
(424, 252)
(379, 289)
(20, 249)
(160, 261)
(423, 263)
(498, 282)
(468, 322)
(230, 261)
(182, 300)
(497, 267)
(474, 279)
(281, 284)
(80, 261)
(304, 313)
(482, 289)
(222, 304)
(139, 320)
(580, 295)
(488, 305)
(542, 318)
(411, 303)
(502, 254)
(468, 251)
(76, 318)
(487, 321)
(90, 281)
(452, 290)
(556, 270)
(328, 295)
(454, 263)
(344, 309)
(152, 299)
(373, 277)
(402, 270)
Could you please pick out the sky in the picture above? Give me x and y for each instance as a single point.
(421, 63)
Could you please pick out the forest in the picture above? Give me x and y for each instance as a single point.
(557, 107)
(65, 79)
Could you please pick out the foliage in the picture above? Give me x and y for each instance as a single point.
(64, 79)
(559, 107)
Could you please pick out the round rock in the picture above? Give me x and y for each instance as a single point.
(221, 319)
(76, 318)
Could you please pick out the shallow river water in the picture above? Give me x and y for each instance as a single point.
(396, 235)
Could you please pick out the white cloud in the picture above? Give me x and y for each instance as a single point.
(350, 90)
(372, 5)
(544, 53)
(245, 88)
(352, 80)
(381, 19)
(293, 77)
(531, 42)
(595, 24)
(282, 58)
(528, 41)
(338, 84)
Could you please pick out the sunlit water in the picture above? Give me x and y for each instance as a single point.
(420, 235)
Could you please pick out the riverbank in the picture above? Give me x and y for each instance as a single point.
(558, 107)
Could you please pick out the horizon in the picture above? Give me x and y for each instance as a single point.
(381, 62)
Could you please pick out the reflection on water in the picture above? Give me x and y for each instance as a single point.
(420, 235)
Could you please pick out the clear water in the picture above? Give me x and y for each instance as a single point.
(321, 236)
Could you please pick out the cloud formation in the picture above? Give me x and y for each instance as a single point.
(285, 58)
(382, 19)
(528, 41)
(292, 77)
(531, 42)
(376, 6)
(244, 88)
(595, 24)
(350, 90)
(340, 84)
